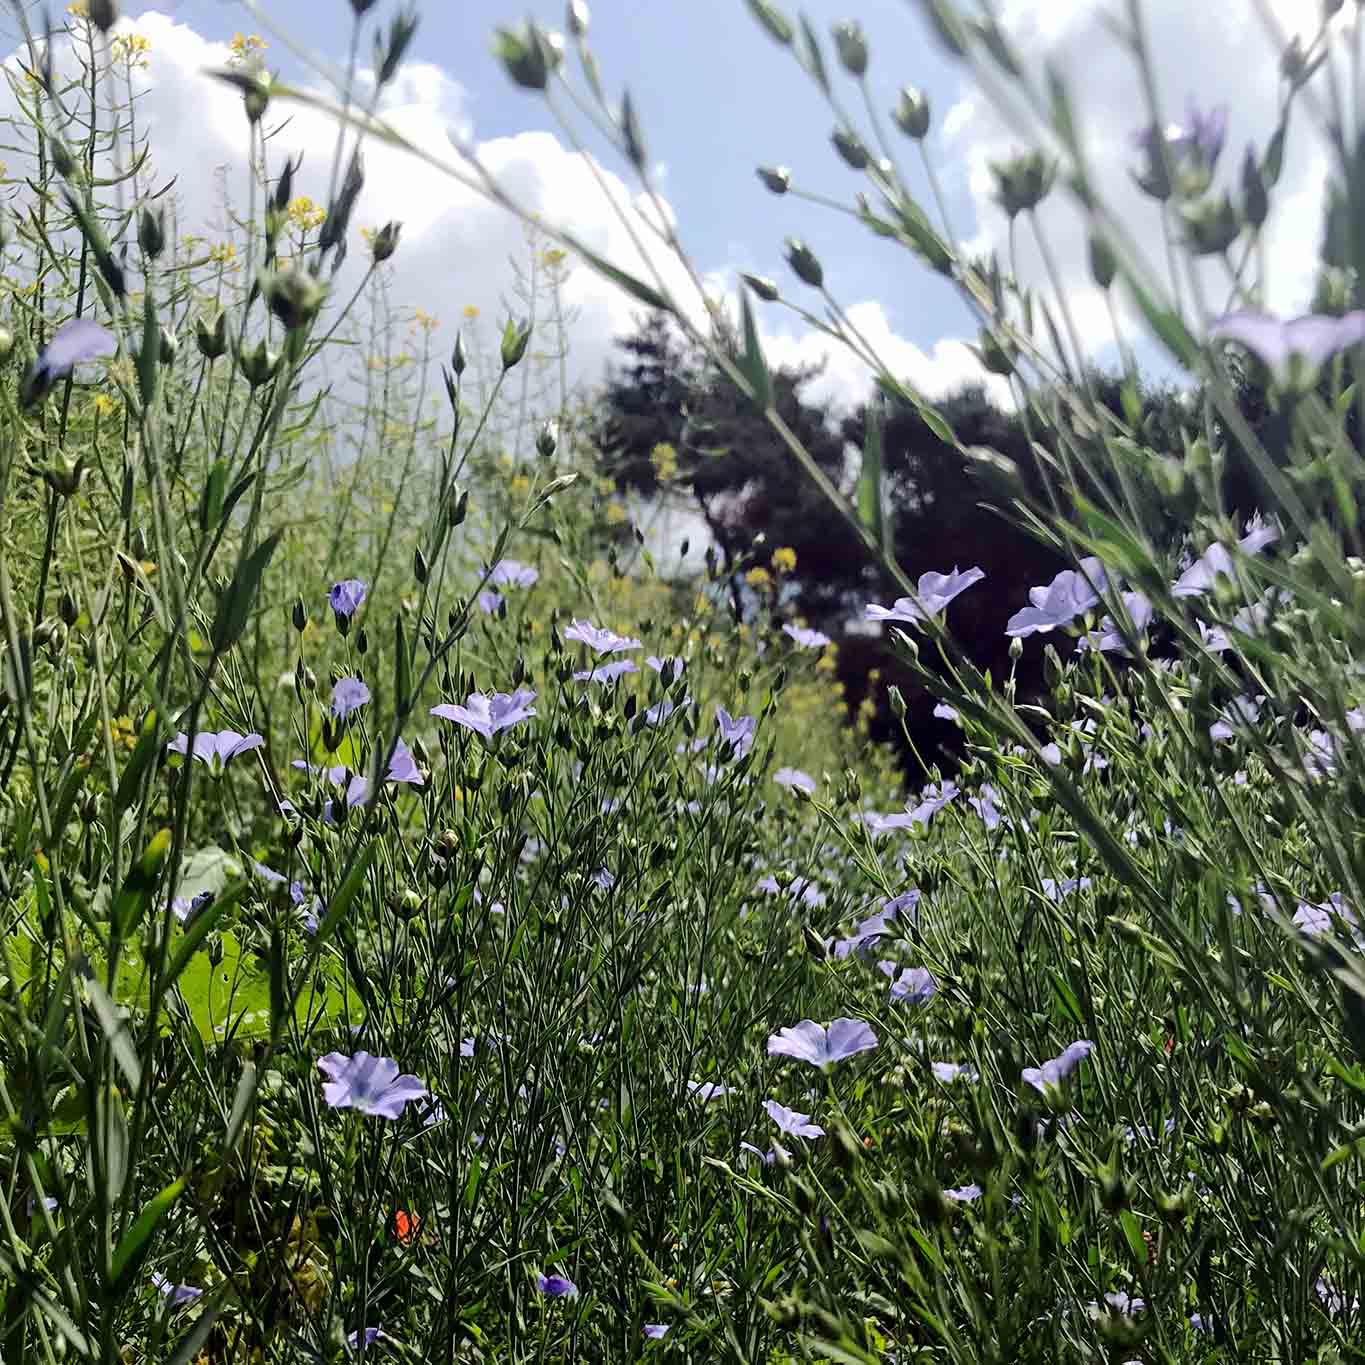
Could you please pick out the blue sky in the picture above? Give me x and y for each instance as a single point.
(716, 98)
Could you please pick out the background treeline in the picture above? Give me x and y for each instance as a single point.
(669, 428)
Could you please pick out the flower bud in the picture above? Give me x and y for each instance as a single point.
(212, 342)
(815, 945)
(526, 56)
(778, 179)
(896, 699)
(294, 296)
(803, 261)
(1255, 198)
(851, 148)
(300, 614)
(457, 356)
(167, 345)
(547, 441)
(102, 13)
(776, 23)
(256, 97)
(1104, 264)
(851, 44)
(151, 232)
(259, 364)
(1211, 226)
(911, 114)
(1022, 183)
(385, 242)
(996, 356)
(763, 287)
(515, 339)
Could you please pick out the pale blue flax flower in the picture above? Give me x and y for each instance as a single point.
(822, 1045)
(369, 1084)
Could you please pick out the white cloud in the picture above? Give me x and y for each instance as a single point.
(1218, 53)
(945, 368)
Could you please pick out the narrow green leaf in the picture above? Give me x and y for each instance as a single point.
(241, 1107)
(811, 56)
(871, 511)
(200, 928)
(132, 1247)
(234, 608)
(149, 353)
(147, 748)
(753, 365)
(347, 891)
(1167, 325)
(402, 667)
(636, 288)
(1133, 1234)
(114, 1025)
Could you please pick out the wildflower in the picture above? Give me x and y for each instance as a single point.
(1292, 351)
(606, 672)
(801, 887)
(176, 1294)
(1190, 154)
(964, 1194)
(1315, 920)
(616, 514)
(510, 573)
(984, 805)
(706, 1091)
(805, 637)
(867, 935)
(656, 1331)
(791, 1122)
(668, 661)
(1059, 890)
(71, 344)
(1216, 561)
(914, 986)
(1121, 1303)
(935, 591)
(489, 601)
(1238, 714)
(820, 1045)
(793, 779)
(403, 767)
(737, 731)
(784, 559)
(346, 597)
(406, 1226)
(948, 1072)
(945, 712)
(599, 639)
(1320, 755)
(488, 716)
(1107, 639)
(370, 1084)
(661, 711)
(349, 695)
(556, 1286)
(363, 1338)
(215, 749)
(758, 577)
(1055, 1069)
(185, 908)
(1070, 593)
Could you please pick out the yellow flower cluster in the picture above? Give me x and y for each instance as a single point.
(758, 577)
(123, 732)
(784, 559)
(616, 514)
(304, 214)
(471, 311)
(665, 461)
(520, 486)
(222, 253)
(104, 405)
(131, 48)
(78, 9)
(245, 47)
(421, 318)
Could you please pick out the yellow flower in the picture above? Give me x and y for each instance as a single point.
(665, 461)
(244, 47)
(616, 514)
(304, 214)
(471, 311)
(826, 663)
(78, 9)
(758, 577)
(104, 405)
(222, 253)
(131, 48)
(421, 318)
(520, 486)
(554, 256)
(784, 559)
